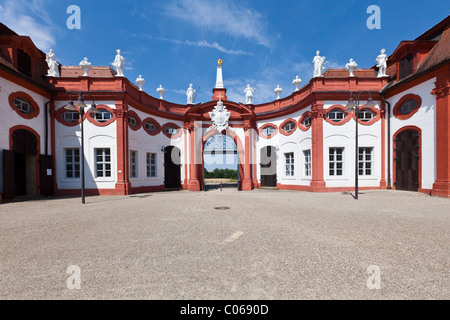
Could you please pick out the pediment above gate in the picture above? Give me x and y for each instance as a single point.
(238, 111)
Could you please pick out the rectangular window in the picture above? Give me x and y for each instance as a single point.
(365, 161)
(151, 165)
(103, 162)
(336, 161)
(289, 164)
(307, 155)
(72, 163)
(133, 164)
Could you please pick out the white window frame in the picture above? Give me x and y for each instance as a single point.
(132, 121)
(289, 127)
(307, 163)
(289, 168)
(171, 131)
(362, 115)
(134, 169)
(74, 116)
(335, 112)
(23, 105)
(335, 162)
(151, 165)
(72, 163)
(362, 164)
(408, 103)
(150, 126)
(104, 163)
(266, 133)
(100, 116)
(307, 122)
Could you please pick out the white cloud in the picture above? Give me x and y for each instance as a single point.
(203, 43)
(13, 14)
(222, 16)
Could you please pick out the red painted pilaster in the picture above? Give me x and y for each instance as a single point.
(194, 184)
(442, 185)
(317, 114)
(247, 184)
(123, 185)
(383, 183)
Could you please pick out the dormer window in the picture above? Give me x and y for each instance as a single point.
(406, 66)
(23, 63)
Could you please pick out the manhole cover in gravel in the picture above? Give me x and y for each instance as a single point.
(222, 208)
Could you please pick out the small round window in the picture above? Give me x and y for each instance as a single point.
(289, 127)
(171, 131)
(268, 131)
(71, 116)
(23, 105)
(103, 116)
(336, 115)
(366, 115)
(307, 122)
(151, 127)
(132, 121)
(407, 107)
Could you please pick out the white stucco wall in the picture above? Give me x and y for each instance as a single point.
(9, 118)
(425, 119)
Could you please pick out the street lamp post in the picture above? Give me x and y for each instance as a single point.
(81, 106)
(353, 105)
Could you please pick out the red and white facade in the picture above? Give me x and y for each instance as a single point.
(311, 138)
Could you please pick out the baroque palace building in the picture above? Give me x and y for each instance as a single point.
(305, 141)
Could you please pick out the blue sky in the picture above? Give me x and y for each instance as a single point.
(263, 43)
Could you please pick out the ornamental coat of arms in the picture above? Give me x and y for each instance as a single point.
(219, 117)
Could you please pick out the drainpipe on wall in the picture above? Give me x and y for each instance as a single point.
(389, 178)
(46, 125)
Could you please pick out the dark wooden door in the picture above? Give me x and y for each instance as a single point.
(172, 168)
(46, 187)
(20, 174)
(269, 167)
(9, 186)
(407, 160)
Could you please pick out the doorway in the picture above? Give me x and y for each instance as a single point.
(407, 160)
(172, 168)
(269, 166)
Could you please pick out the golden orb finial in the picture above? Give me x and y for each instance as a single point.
(220, 61)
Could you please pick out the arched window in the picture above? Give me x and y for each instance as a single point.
(336, 115)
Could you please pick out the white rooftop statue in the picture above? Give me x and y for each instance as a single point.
(351, 66)
(381, 63)
(249, 94)
(297, 82)
(160, 91)
(53, 70)
(319, 64)
(140, 82)
(86, 66)
(190, 93)
(118, 64)
(278, 91)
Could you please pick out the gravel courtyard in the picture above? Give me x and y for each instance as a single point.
(269, 245)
